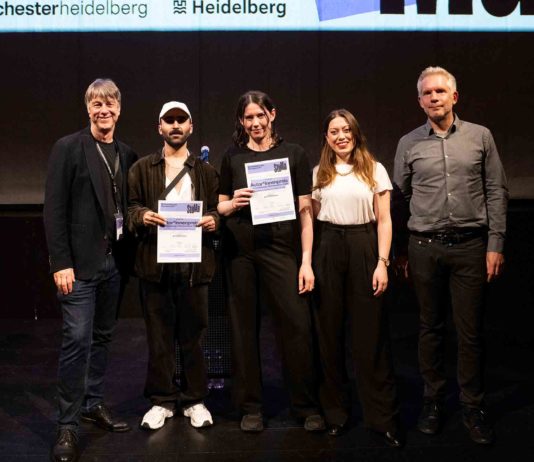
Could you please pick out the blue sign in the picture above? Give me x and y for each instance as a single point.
(331, 9)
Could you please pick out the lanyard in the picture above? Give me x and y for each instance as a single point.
(111, 175)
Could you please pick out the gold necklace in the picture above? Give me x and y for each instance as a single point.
(347, 173)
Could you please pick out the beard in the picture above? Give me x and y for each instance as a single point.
(176, 142)
(441, 115)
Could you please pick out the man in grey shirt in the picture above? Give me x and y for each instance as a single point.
(450, 173)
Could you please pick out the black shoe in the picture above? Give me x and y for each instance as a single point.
(101, 416)
(335, 430)
(431, 418)
(252, 422)
(476, 421)
(393, 438)
(65, 448)
(314, 423)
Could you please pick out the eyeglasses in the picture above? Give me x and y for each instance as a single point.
(171, 119)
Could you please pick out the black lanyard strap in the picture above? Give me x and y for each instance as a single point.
(174, 182)
(111, 175)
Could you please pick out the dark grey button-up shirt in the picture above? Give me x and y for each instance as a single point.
(453, 182)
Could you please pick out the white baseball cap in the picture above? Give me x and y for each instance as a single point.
(174, 105)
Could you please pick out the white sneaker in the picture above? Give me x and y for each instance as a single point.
(199, 415)
(155, 417)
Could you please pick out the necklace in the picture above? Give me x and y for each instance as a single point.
(258, 147)
(346, 173)
(172, 162)
(177, 166)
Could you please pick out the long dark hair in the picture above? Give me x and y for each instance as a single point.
(264, 101)
(360, 157)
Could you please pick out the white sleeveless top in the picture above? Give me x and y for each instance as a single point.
(348, 200)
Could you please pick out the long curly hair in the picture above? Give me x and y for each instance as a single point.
(360, 158)
(263, 100)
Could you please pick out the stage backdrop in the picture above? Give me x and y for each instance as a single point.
(310, 56)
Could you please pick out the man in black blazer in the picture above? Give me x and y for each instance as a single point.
(85, 201)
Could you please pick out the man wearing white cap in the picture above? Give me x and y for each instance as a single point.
(174, 296)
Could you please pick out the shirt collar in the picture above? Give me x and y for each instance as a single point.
(456, 124)
(159, 158)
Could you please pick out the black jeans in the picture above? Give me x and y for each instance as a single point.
(89, 318)
(264, 262)
(344, 263)
(455, 271)
(174, 311)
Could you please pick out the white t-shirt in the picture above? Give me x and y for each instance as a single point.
(348, 200)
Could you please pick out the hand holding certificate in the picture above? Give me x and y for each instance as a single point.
(272, 200)
(180, 239)
(241, 198)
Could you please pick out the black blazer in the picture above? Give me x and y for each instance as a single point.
(74, 220)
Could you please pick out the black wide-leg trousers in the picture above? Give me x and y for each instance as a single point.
(344, 263)
(264, 264)
(174, 311)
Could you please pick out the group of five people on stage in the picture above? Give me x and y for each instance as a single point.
(100, 199)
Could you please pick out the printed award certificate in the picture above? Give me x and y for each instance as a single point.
(272, 200)
(180, 240)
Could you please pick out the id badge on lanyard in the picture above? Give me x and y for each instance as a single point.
(119, 221)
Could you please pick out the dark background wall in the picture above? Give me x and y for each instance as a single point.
(44, 77)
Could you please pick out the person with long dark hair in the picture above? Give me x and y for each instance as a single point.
(351, 197)
(265, 259)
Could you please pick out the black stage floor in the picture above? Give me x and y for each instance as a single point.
(28, 354)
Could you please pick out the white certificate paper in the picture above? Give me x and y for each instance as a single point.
(180, 240)
(272, 200)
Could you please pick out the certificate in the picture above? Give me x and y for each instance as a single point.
(180, 240)
(272, 200)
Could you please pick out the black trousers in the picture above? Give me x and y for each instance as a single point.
(344, 263)
(440, 273)
(263, 261)
(174, 311)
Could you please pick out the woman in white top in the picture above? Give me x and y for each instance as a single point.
(351, 196)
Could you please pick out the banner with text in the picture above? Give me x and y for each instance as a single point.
(268, 15)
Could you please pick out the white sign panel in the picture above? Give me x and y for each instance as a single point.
(272, 200)
(269, 15)
(180, 240)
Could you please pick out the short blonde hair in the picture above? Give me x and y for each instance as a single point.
(102, 88)
(431, 70)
